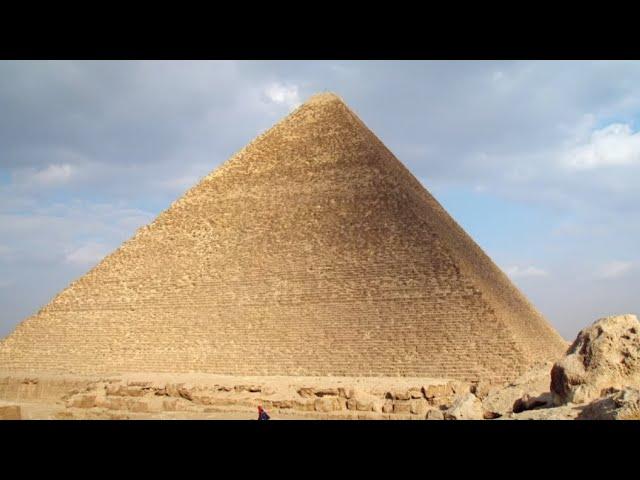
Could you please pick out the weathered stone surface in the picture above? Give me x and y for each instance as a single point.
(125, 390)
(482, 389)
(603, 356)
(465, 407)
(327, 404)
(534, 382)
(364, 401)
(185, 391)
(10, 412)
(309, 405)
(419, 406)
(344, 392)
(326, 392)
(306, 392)
(83, 401)
(415, 393)
(400, 395)
(170, 404)
(435, 414)
(618, 405)
(527, 402)
(565, 412)
(435, 391)
(402, 407)
(491, 415)
(443, 395)
(138, 406)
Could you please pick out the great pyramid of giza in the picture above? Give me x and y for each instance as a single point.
(312, 251)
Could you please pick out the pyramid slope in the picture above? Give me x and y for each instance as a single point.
(312, 251)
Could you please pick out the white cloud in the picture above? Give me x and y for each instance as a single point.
(51, 175)
(89, 254)
(283, 94)
(615, 269)
(613, 145)
(516, 271)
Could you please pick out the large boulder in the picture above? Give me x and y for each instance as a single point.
(605, 355)
(465, 407)
(533, 383)
(618, 405)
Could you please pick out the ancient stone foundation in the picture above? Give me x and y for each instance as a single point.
(204, 396)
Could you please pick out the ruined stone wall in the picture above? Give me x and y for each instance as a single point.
(308, 253)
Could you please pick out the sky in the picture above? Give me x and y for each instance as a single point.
(539, 161)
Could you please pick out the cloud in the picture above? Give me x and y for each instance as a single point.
(614, 145)
(283, 94)
(516, 271)
(89, 254)
(52, 175)
(615, 269)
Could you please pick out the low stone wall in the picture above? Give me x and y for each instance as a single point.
(338, 397)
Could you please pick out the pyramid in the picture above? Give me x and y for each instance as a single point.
(311, 252)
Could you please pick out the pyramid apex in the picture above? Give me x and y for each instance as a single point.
(324, 97)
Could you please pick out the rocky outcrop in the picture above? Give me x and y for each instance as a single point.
(618, 405)
(519, 394)
(605, 355)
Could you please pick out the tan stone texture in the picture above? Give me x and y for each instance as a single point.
(604, 355)
(312, 251)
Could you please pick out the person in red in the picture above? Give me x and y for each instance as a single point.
(262, 415)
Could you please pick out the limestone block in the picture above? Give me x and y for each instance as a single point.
(83, 401)
(307, 392)
(10, 412)
(305, 405)
(327, 404)
(434, 414)
(419, 406)
(465, 407)
(401, 407)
